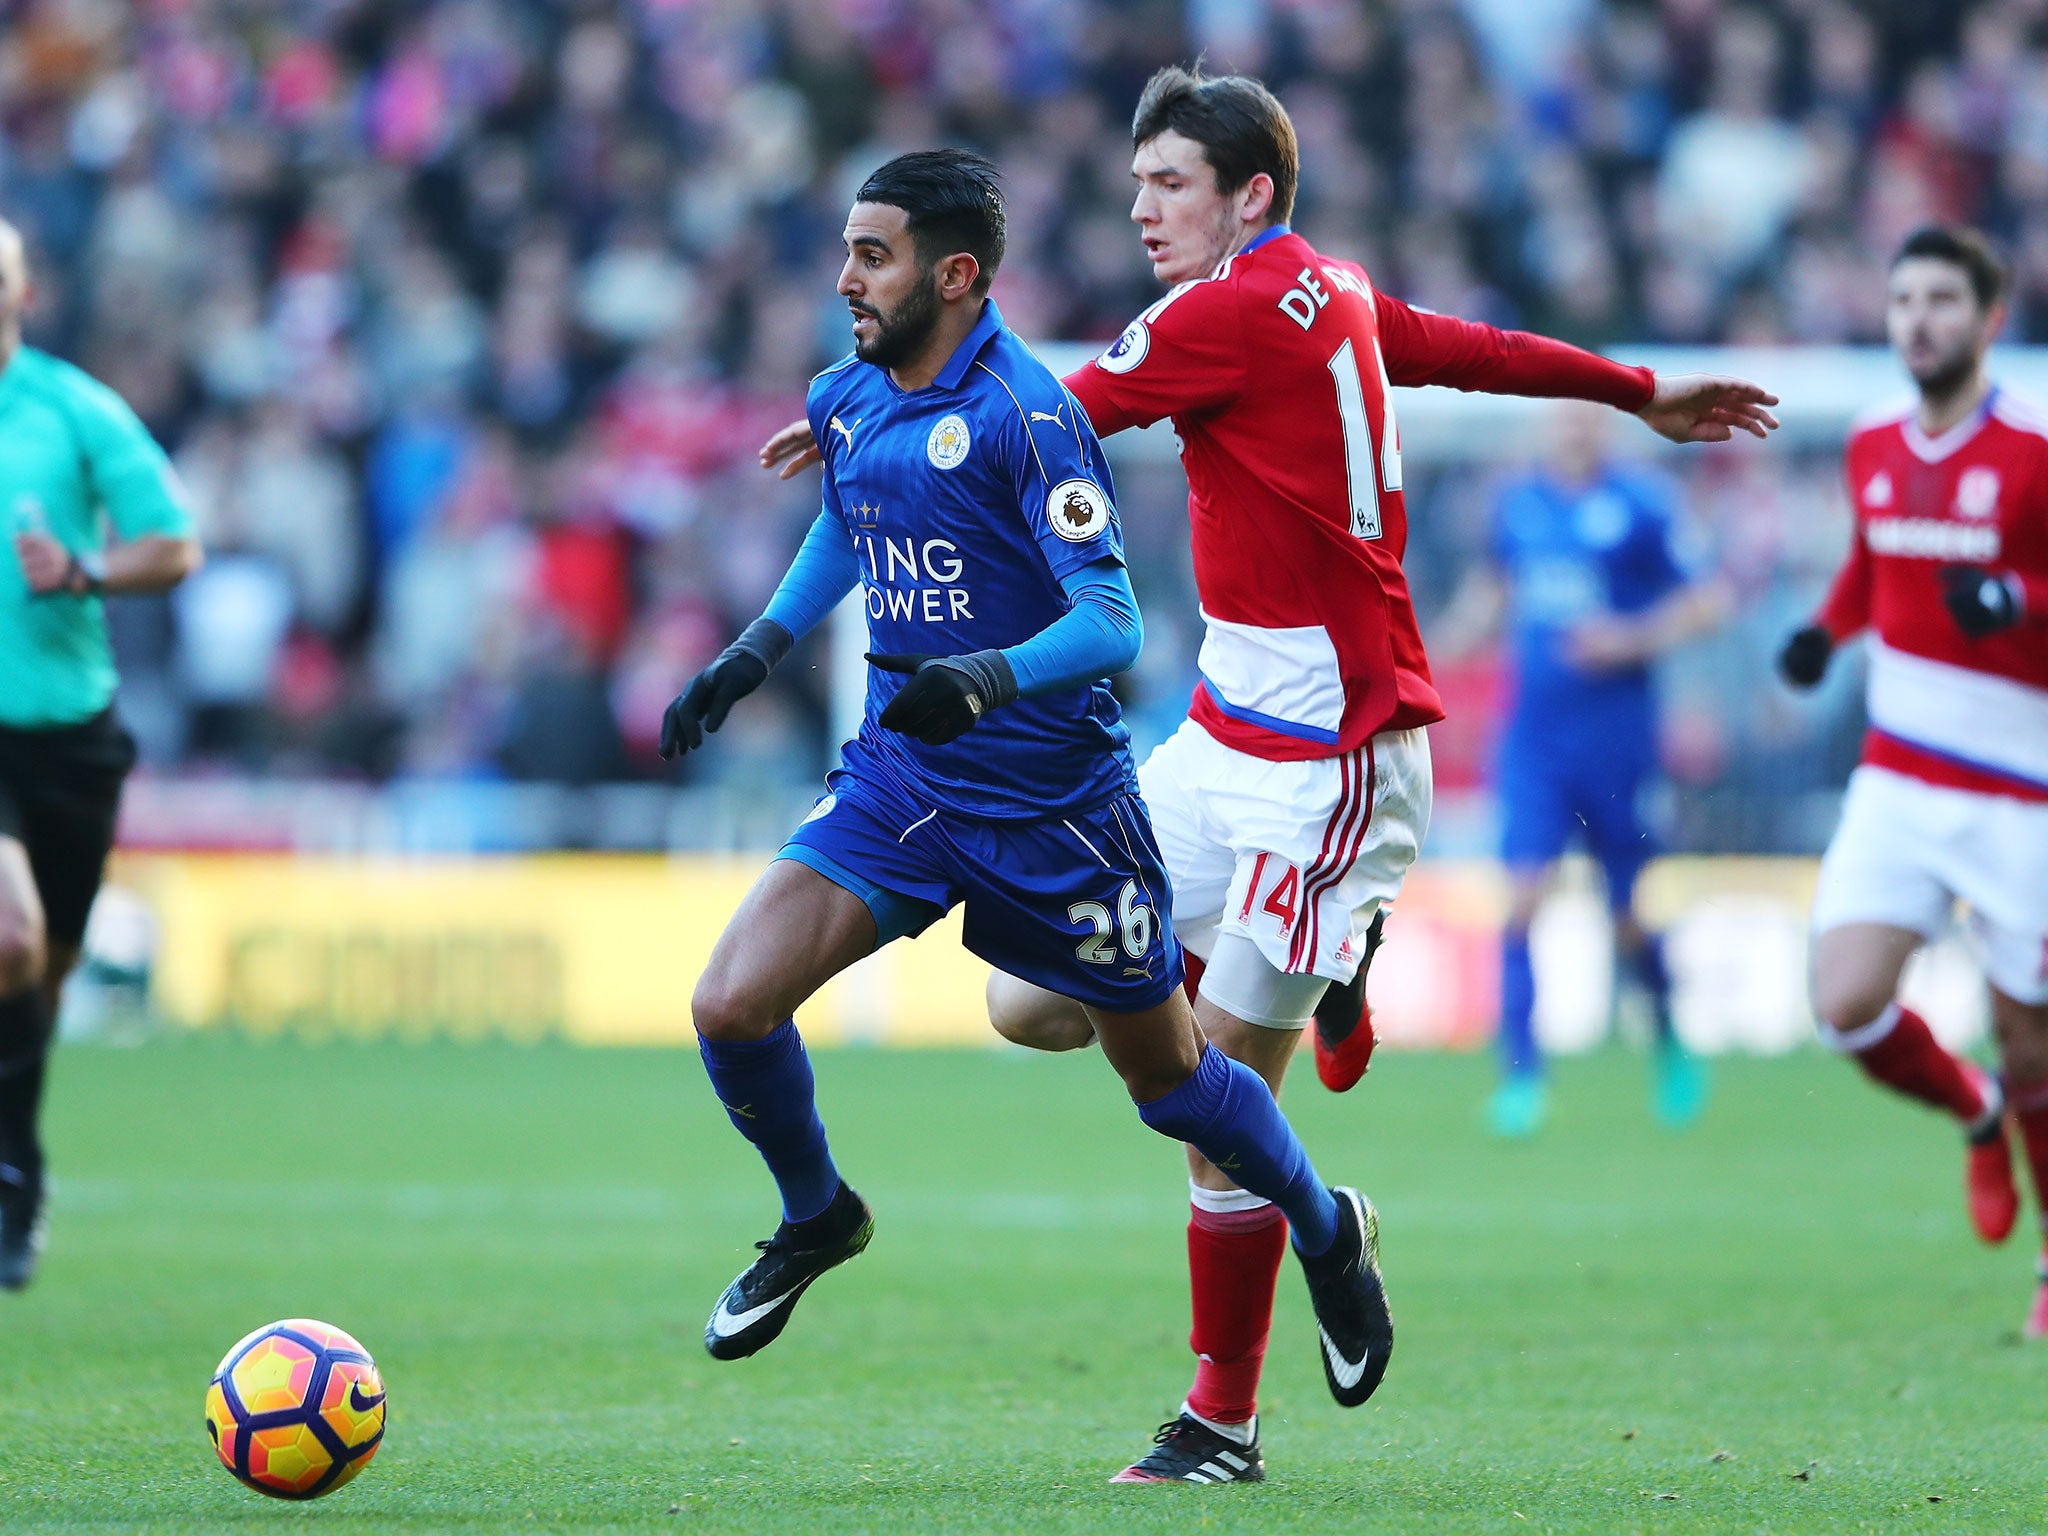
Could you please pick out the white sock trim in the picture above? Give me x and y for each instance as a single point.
(1224, 1202)
(1849, 1042)
(1237, 1434)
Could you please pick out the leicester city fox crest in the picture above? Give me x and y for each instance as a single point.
(948, 444)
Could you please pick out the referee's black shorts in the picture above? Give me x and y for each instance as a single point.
(60, 791)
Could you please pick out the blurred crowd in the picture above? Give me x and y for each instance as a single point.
(462, 318)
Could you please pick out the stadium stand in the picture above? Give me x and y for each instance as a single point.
(463, 318)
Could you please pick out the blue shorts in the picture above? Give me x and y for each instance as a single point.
(1079, 905)
(1551, 792)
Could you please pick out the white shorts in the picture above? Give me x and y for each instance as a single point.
(1296, 857)
(1907, 851)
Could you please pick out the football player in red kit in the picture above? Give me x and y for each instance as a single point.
(1948, 572)
(1292, 800)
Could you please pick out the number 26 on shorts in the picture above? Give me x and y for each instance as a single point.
(1133, 926)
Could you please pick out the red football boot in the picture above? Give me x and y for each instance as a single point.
(1344, 1032)
(1341, 1062)
(2036, 1326)
(1993, 1198)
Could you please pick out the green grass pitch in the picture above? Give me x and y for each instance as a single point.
(1610, 1330)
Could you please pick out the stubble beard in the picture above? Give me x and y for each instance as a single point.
(901, 334)
(1949, 377)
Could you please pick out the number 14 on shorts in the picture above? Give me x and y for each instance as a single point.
(1282, 891)
(1133, 927)
(1269, 902)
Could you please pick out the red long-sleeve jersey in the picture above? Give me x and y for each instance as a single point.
(1276, 371)
(1970, 714)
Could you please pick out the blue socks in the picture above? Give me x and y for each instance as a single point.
(1226, 1112)
(1519, 1054)
(771, 1098)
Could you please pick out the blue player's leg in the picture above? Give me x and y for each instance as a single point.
(1520, 1102)
(1678, 1081)
(1621, 839)
(1186, 1088)
(1536, 822)
(794, 931)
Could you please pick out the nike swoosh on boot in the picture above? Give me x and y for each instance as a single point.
(726, 1323)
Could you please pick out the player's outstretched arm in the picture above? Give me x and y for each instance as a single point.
(1708, 408)
(794, 448)
(1425, 348)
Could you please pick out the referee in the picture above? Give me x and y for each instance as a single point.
(76, 468)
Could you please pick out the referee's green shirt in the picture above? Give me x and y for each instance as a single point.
(73, 459)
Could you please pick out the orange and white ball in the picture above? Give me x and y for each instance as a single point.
(296, 1409)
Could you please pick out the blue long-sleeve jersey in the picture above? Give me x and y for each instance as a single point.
(1574, 553)
(970, 506)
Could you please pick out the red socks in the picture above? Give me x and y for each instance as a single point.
(1233, 1268)
(1900, 1051)
(2029, 1105)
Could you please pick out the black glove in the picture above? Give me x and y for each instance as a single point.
(1804, 660)
(945, 694)
(1982, 602)
(740, 668)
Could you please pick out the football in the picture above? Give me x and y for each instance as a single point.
(296, 1409)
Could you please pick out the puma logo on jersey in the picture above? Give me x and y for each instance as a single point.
(1053, 417)
(844, 430)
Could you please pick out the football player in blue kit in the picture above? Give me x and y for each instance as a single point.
(967, 496)
(1586, 578)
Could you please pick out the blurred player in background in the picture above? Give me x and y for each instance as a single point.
(74, 462)
(1948, 570)
(1587, 580)
(1293, 799)
(969, 502)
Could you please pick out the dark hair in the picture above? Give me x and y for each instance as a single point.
(1240, 125)
(1963, 248)
(954, 201)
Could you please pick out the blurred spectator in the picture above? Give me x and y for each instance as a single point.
(464, 316)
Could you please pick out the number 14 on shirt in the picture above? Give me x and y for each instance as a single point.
(1368, 473)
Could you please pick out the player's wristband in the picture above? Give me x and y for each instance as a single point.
(991, 674)
(85, 576)
(764, 640)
